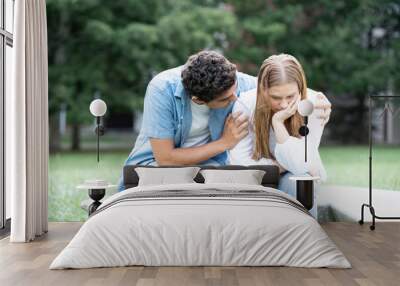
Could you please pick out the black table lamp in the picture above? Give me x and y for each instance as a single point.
(98, 108)
(305, 185)
(97, 188)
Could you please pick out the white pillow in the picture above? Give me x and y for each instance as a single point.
(166, 176)
(248, 177)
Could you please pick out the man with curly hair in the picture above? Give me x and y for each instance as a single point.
(187, 116)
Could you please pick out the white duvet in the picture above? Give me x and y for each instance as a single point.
(190, 230)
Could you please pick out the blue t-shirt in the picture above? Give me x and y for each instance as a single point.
(167, 115)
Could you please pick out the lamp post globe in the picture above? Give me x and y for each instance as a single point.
(98, 107)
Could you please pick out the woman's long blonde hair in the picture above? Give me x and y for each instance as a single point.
(276, 70)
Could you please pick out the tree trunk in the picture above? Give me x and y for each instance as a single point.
(54, 132)
(361, 131)
(59, 59)
(76, 137)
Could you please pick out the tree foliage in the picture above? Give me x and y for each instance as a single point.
(349, 49)
(113, 48)
(338, 45)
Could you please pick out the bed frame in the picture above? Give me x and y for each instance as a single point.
(270, 179)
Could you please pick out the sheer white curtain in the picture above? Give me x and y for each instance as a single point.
(27, 123)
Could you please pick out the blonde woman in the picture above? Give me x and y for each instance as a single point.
(273, 136)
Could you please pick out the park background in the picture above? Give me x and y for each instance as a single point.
(111, 50)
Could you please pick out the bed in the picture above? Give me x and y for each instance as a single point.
(201, 224)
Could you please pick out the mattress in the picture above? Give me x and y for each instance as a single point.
(200, 225)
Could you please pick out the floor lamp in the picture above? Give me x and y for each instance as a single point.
(370, 203)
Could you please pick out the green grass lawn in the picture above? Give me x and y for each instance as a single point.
(67, 170)
(345, 166)
(349, 166)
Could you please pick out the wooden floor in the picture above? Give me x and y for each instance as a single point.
(375, 257)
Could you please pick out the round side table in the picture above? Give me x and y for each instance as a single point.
(305, 190)
(96, 193)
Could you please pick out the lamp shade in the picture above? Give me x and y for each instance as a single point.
(305, 107)
(98, 107)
